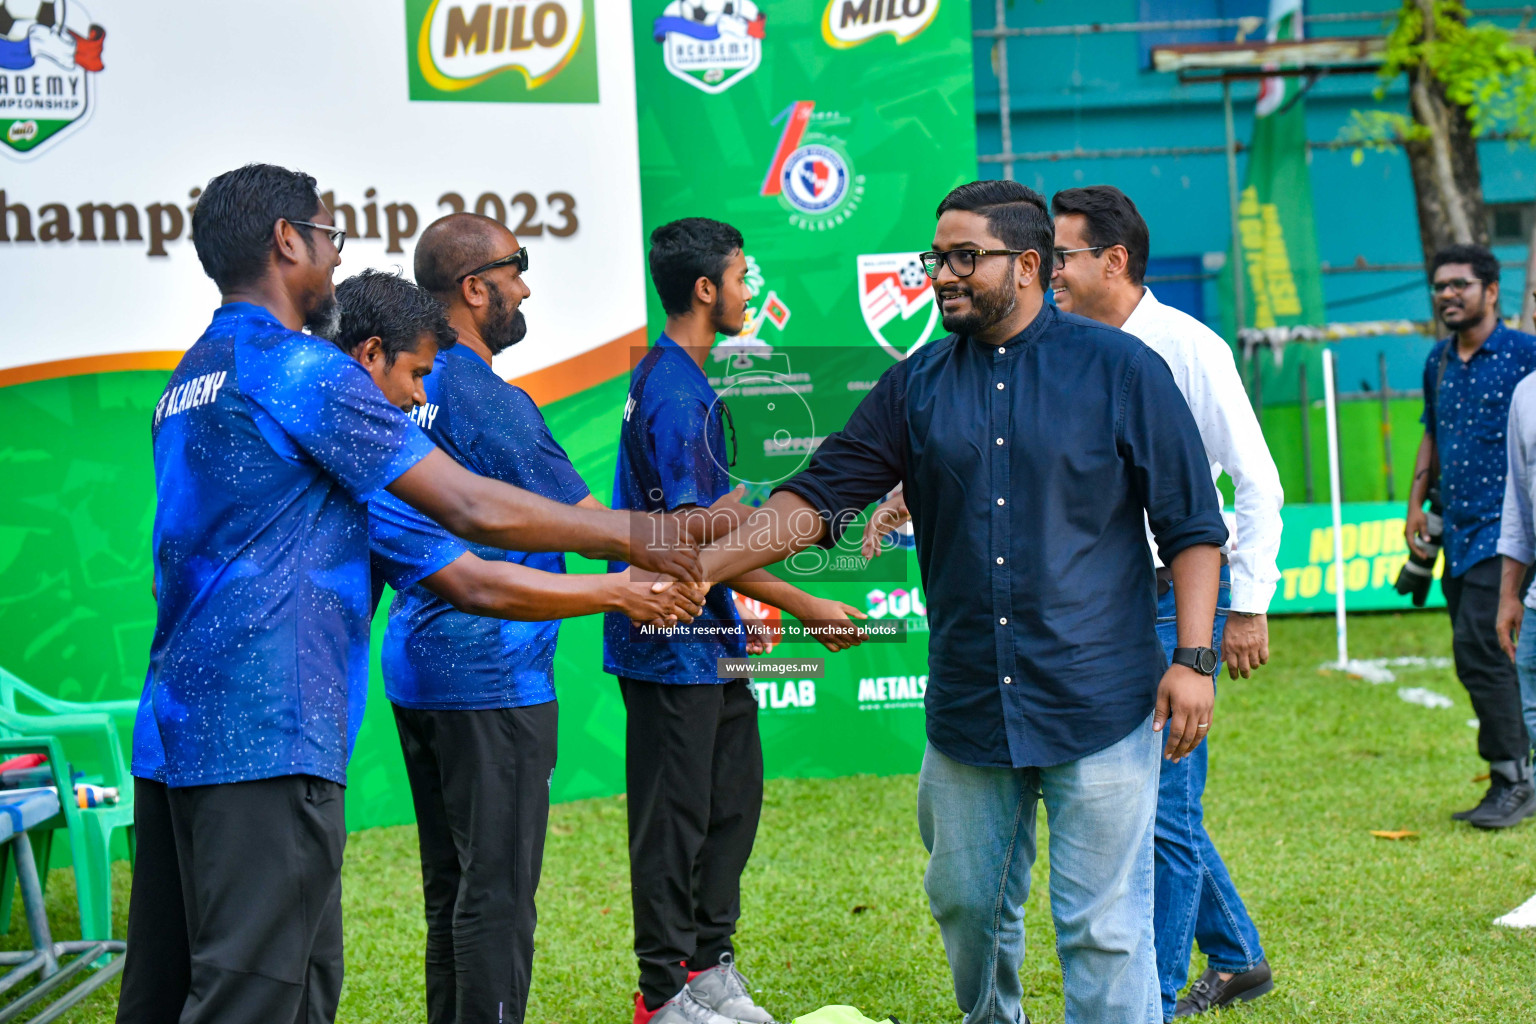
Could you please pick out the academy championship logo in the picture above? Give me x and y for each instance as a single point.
(810, 171)
(525, 51)
(848, 23)
(711, 44)
(50, 54)
(897, 301)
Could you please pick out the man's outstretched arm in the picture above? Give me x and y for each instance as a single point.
(491, 512)
(506, 590)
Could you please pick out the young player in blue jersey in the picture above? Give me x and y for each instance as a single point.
(694, 761)
(267, 443)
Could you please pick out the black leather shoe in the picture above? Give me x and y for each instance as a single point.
(1209, 992)
(1510, 806)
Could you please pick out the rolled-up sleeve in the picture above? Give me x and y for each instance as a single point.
(1515, 528)
(860, 463)
(1169, 468)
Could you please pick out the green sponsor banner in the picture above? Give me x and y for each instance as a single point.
(1374, 552)
(540, 51)
(827, 132)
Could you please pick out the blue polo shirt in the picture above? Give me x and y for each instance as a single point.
(672, 432)
(401, 553)
(1468, 415)
(267, 444)
(1027, 468)
(434, 655)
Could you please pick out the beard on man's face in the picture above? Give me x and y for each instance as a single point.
(988, 306)
(324, 319)
(1461, 310)
(504, 327)
(721, 315)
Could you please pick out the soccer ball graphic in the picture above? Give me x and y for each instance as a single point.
(911, 274)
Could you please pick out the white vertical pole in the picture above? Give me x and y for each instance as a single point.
(1330, 406)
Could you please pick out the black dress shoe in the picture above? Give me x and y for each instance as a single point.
(1209, 992)
(1510, 806)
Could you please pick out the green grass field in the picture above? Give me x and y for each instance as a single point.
(1304, 765)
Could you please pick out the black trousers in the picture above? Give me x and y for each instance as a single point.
(258, 935)
(158, 971)
(1489, 676)
(694, 769)
(480, 783)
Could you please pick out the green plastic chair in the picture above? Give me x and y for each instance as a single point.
(90, 742)
(18, 695)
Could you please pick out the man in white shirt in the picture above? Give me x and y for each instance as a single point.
(1101, 256)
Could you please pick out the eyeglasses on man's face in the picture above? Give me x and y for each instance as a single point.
(518, 259)
(962, 262)
(338, 236)
(1060, 255)
(1455, 284)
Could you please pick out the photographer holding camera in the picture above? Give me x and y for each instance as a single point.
(1469, 379)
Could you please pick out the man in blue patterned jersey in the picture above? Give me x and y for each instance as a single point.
(393, 329)
(694, 760)
(267, 443)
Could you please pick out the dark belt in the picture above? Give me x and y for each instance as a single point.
(1165, 577)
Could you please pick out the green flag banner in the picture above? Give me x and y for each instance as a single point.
(1277, 241)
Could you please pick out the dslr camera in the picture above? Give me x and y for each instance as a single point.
(1419, 571)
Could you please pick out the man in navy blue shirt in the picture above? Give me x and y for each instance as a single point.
(267, 443)
(693, 761)
(1030, 445)
(1468, 381)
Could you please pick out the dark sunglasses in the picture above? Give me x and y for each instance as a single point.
(338, 236)
(518, 259)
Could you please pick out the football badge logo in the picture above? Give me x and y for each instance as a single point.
(810, 171)
(897, 301)
(711, 44)
(50, 54)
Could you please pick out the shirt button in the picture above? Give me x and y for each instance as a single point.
(1003, 621)
(1001, 350)
(999, 559)
(999, 386)
(999, 440)
(1008, 679)
(999, 501)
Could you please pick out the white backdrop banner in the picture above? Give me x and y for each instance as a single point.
(114, 114)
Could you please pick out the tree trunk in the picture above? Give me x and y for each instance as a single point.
(1447, 179)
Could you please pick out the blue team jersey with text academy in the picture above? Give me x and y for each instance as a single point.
(267, 444)
(434, 655)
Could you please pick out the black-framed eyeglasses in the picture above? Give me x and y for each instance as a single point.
(518, 259)
(1455, 284)
(1060, 255)
(962, 262)
(338, 236)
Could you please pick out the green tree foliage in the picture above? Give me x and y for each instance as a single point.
(1480, 67)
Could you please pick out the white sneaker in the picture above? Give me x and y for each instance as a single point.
(724, 990)
(683, 1008)
(1523, 916)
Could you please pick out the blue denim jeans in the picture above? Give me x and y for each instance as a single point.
(979, 827)
(1525, 666)
(1196, 900)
